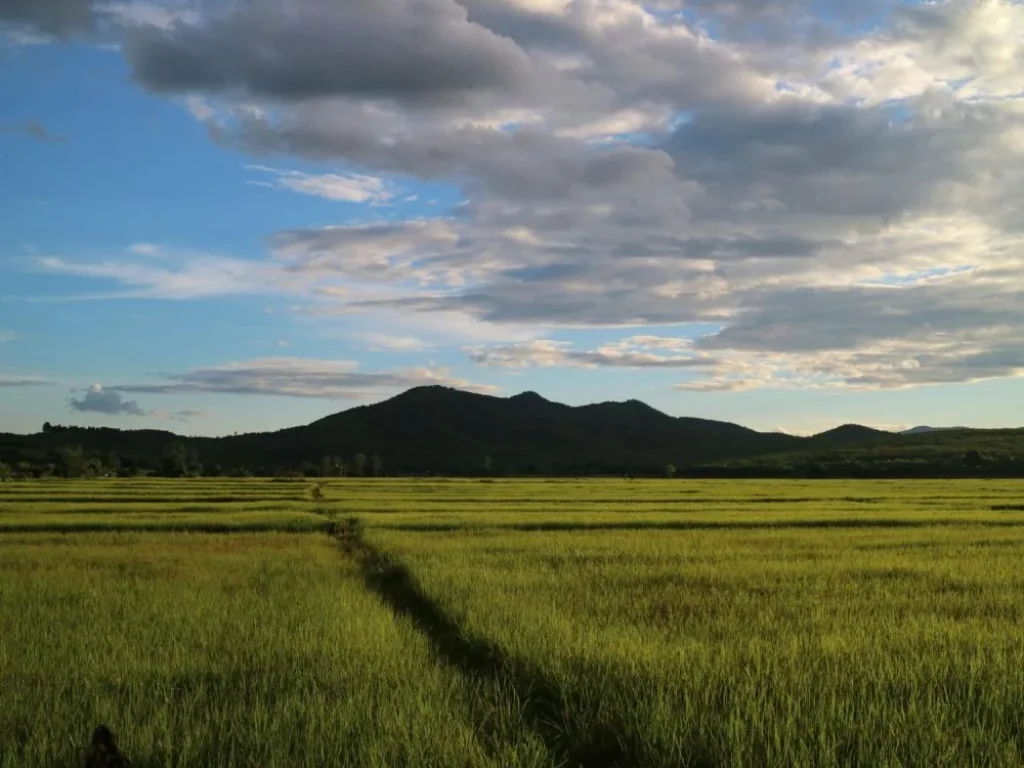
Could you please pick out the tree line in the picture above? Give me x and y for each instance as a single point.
(177, 460)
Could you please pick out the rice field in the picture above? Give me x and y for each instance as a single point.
(222, 622)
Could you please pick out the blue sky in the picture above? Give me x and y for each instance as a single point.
(714, 211)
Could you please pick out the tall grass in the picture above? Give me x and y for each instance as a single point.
(215, 650)
(811, 647)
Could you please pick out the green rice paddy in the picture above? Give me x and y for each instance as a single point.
(220, 622)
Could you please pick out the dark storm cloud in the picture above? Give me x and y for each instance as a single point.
(51, 17)
(404, 49)
(845, 318)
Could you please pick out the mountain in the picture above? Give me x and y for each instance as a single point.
(923, 429)
(450, 430)
(440, 430)
(848, 434)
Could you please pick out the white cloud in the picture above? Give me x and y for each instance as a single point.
(6, 336)
(628, 353)
(139, 13)
(185, 276)
(144, 249)
(17, 38)
(390, 343)
(349, 188)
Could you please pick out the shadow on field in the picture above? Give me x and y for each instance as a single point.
(544, 706)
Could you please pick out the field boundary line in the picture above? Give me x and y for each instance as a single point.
(700, 525)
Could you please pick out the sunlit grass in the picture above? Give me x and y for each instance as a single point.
(213, 650)
(733, 647)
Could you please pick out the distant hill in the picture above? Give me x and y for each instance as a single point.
(448, 431)
(848, 434)
(922, 429)
(947, 452)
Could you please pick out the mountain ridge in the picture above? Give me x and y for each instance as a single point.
(443, 430)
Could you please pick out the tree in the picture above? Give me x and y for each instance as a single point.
(47, 427)
(5, 471)
(359, 464)
(175, 460)
(488, 463)
(974, 458)
(113, 462)
(378, 465)
(327, 468)
(670, 470)
(71, 460)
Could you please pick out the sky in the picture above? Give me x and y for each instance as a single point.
(225, 216)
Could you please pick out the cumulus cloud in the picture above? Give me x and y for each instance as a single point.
(109, 401)
(836, 191)
(299, 377)
(96, 399)
(6, 336)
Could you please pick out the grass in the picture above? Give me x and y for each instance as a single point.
(218, 650)
(738, 647)
(20, 522)
(533, 623)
